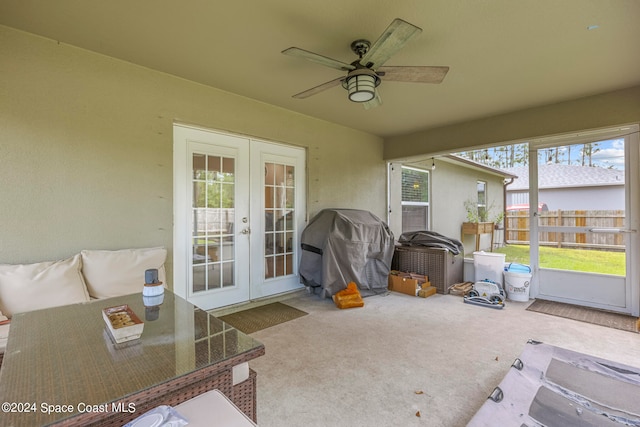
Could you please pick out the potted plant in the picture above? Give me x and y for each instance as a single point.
(480, 221)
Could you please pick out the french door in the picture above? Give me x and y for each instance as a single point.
(239, 209)
(583, 248)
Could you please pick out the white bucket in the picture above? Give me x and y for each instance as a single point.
(517, 285)
(488, 266)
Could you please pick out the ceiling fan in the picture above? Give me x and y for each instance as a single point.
(366, 73)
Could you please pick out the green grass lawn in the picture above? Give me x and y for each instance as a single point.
(592, 261)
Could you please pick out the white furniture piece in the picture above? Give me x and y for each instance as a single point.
(212, 409)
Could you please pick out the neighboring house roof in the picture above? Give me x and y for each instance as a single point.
(564, 176)
(473, 164)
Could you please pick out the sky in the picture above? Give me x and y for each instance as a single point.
(606, 154)
(611, 154)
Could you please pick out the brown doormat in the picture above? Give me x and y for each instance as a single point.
(586, 314)
(262, 317)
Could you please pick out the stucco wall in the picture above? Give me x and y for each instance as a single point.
(86, 150)
(451, 186)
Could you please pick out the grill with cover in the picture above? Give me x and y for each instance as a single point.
(346, 245)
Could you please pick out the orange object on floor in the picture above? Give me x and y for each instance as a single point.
(349, 297)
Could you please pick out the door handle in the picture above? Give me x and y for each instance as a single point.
(246, 231)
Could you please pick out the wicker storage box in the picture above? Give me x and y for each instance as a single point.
(443, 268)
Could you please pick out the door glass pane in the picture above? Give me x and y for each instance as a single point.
(213, 207)
(213, 168)
(280, 249)
(290, 176)
(279, 266)
(289, 264)
(199, 163)
(279, 190)
(581, 194)
(269, 269)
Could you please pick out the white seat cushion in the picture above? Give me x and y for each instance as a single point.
(4, 335)
(28, 287)
(114, 273)
(240, 373)
(213, 409)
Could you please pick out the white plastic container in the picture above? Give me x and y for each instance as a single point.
(488, 266)
(516, 282)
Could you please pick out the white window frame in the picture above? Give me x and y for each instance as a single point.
(426, 204)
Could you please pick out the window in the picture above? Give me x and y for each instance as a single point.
(415, 199)
(482, 199)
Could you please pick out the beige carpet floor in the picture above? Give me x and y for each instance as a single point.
(400, 356)
(585, 314)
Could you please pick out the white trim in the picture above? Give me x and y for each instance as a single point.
(586, 136)
(626, 295)
(632, 179)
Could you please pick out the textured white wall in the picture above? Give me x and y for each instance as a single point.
(86, 150)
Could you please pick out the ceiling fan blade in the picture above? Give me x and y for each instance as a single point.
(322, 60)
(391, 41)
(375, 102)
(314, 90)
(415, 74)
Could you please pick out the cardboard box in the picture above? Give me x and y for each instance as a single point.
(421, 278)
(427, 291)
(461, 288)
(404, 285)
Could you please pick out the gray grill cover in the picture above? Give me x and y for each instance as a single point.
(346, 245)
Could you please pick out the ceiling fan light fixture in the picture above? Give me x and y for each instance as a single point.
(361, 84)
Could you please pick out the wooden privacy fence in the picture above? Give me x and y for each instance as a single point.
(517, 229)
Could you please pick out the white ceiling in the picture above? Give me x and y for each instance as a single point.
(504, 55)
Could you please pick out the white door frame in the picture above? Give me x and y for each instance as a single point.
(187, 141)
(628, 287)
(249, 224)
(267, 152)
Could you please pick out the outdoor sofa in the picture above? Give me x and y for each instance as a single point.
(90, 274)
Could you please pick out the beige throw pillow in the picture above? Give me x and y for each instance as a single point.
(114, 273)
(28, 287)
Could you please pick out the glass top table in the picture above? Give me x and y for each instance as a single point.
(61, 364)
